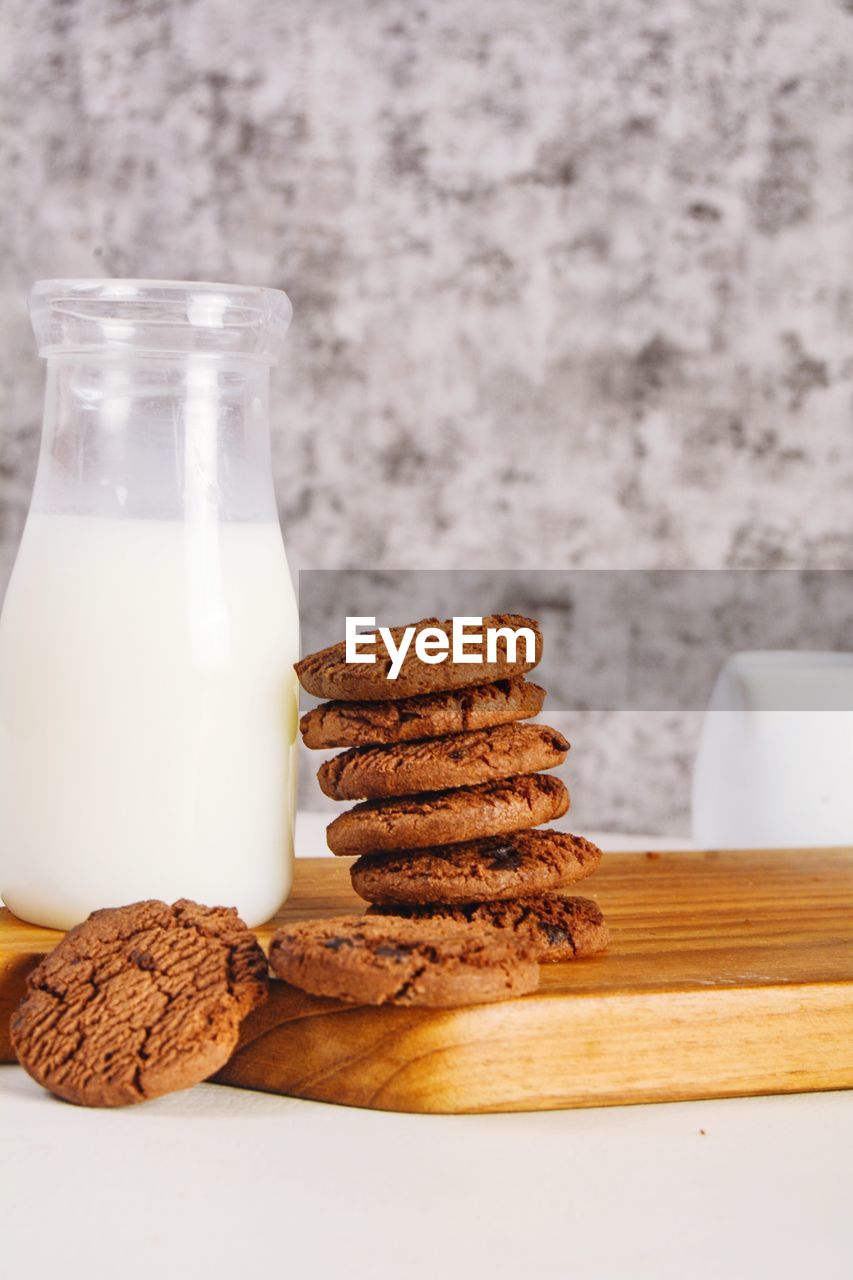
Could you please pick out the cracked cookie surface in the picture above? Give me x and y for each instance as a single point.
(517, 865)
(429, 715)
(139, 1001)
(434, 963)
(556, 928)
(462, 759)
(447, 817)
(327, 674)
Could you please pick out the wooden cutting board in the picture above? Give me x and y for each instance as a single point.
(728, 974)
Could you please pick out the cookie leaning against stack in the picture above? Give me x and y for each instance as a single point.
(450, 786)
(138, 1001)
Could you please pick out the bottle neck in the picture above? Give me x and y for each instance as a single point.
(182, 437)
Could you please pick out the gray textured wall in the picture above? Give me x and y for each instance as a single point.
(573, 282)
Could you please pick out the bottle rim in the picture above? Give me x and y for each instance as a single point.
(159, 316)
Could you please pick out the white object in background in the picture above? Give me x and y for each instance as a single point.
(148, 704)
(774, 766)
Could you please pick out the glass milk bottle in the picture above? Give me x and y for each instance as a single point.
(148, 705)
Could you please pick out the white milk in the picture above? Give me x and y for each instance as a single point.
(148, 716)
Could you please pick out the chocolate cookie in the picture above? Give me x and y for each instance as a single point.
(439, 763)
(327, 674)
(511, 866)
(447, 817)
(139, 1001)
(437, 963)
(430, 715)
(556, 928)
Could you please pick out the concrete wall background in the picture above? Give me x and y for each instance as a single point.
(573, 283)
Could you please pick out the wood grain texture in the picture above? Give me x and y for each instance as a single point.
(728, 974)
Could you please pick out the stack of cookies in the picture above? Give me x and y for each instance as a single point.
(451, 788)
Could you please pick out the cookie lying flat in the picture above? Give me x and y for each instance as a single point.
(430, 715)
(437, 963)
(139, 1001)
(327, 674)
(512, 866)
(447, 817)
(462, 759)
(556, 928)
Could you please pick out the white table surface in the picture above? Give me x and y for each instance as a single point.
(215, 1181)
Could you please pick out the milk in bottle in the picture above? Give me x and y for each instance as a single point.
(148, 703)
